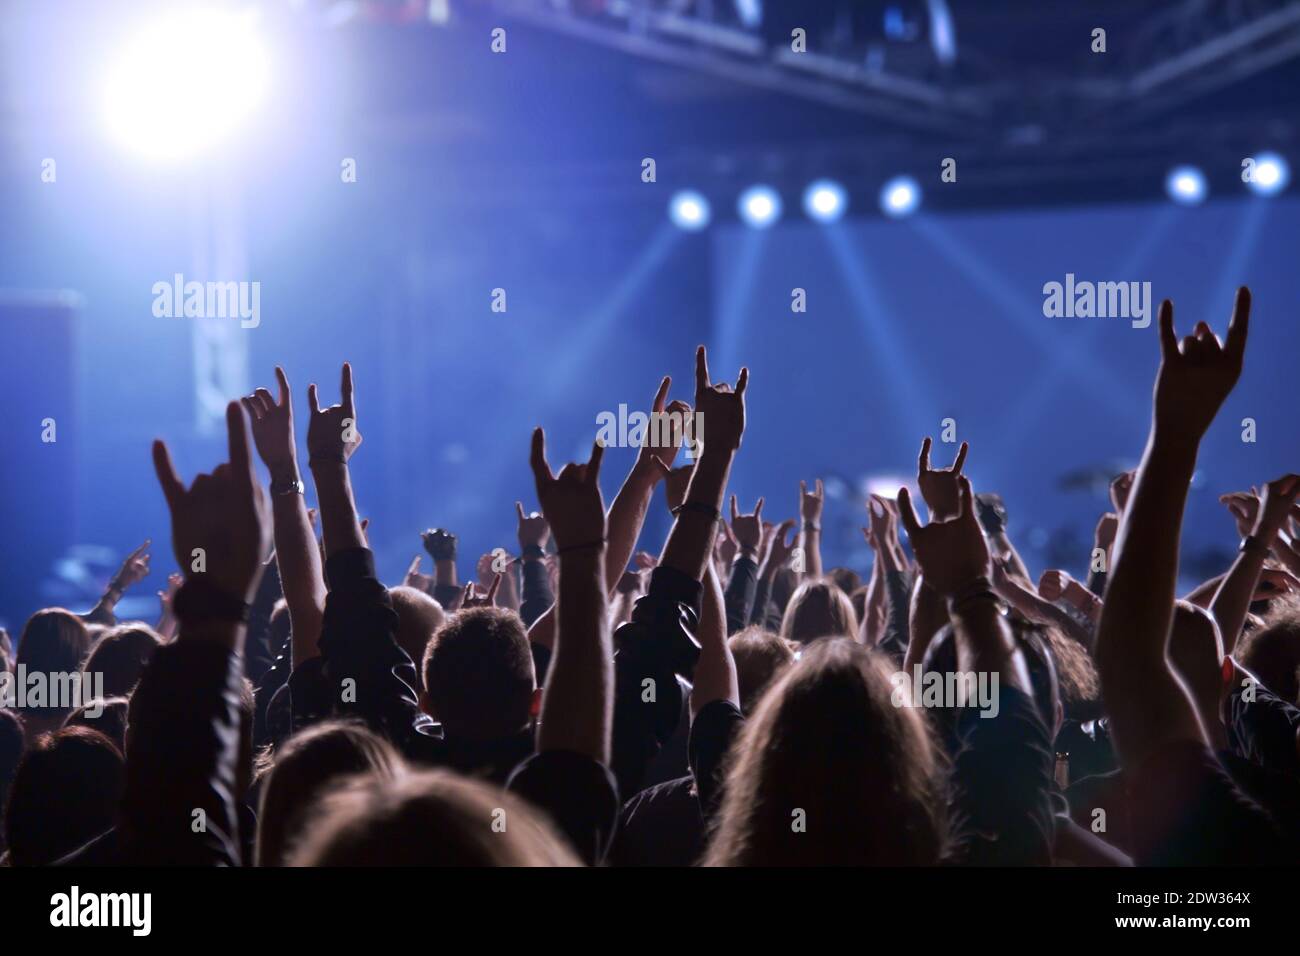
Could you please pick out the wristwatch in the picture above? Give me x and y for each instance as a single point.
(293, 486)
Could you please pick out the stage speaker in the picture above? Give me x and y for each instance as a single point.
(38, 373)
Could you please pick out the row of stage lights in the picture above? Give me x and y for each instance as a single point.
(826, 200)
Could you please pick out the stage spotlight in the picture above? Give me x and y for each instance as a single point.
(759, 206)
(1269, 174)
(900, 197)
(825, 200)
(1186, 185)
(186, 83)
(689, 210)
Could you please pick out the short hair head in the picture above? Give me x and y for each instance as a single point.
(760, 657)
(478, 674)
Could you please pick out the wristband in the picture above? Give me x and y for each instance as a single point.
(976, 590)
(1252, 543)
(812, 526)
(197, 602)
(533, 551)
(598, 543)
(291, 486)
(699, 507)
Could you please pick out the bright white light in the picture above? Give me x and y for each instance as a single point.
(900, 196)
(185, 83)
(825, 200)
(1186, 185)
(689, 210)
(760, 206)
(1270, 174)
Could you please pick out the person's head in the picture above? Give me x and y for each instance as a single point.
(307, 765)
(818, 609)
(1078, 683)
(1196, 653)
(120, 657)
(760, 657)
(64, 794)
(1273, 655)
(54, 641)
(107, 715)
(847, 579)
(418, 618)
(828, 771)
(427, 818)
(478, 674)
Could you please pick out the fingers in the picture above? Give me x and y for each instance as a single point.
(661, 396)
(264, 397)
(468, 596)
(345, 388)
(415, 566)
(519, 510)
(311, 399)
(820, 492)
(541, 470)
(1168, 340)
(786, 527)
(285, 394)
(742, 380)
(701, 370)
(240, 461)
(139, 551)
(592, 474)
(758, 508)
(923, 462)
(492, 588)
(961, 458)
(1238, 325)
(907, 513)
(172, 488)
(734, 515)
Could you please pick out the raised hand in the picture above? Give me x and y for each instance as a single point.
(939, 486)
(133, 570)
(440, 543)
(747, 529)
(533, 529)
(220, 523)
(882, 527)
(725, 546)
(1279, 497)
(272, 425)
(478, 596)
(332, 433)
(645, 561)
(951, 551)
(1053, 584)
(1244, 508)
(779, 553)
(414, 579)
(656, 456)
(1197, 374)
(571, 501)
(1107, 529)
(810, 502)
(722, 410)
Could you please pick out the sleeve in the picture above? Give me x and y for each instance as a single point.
(178, 807)
(1000, 804)
(739, 596)
(579, 794)
(1187, 811)
(358, 644)
(310, 694)
(1097, 582)
(1264, 730)
(654, 647)
(898, 591)
(537, 595)
(712, 732)
(259, 655)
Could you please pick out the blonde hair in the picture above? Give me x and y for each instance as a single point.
(818, 608)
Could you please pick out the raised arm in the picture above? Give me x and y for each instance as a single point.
(135, 568)
(332, 436)
(1148, 705)
(577, 705)
(810, 510)
(1231, 602)
(296, 553)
